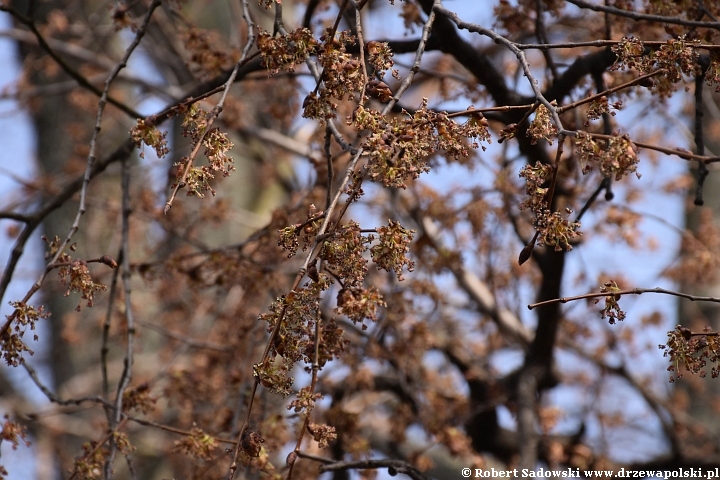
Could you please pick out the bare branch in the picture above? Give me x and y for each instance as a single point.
(643, 16)
(393, 466)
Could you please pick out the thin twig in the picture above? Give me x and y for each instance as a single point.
(105, 349)
(398, 466)
(126, 375)
(424, 37)
(165, 428)
(600, 44)
(361, 44)
(643, 16)
(329, 160)
(623, 86)
(684, 154)
(541, 35)
(246, 51)
(634, 291)
(53, 397)
(512, 46)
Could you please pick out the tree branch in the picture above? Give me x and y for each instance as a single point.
(634, 291)
(643, 16)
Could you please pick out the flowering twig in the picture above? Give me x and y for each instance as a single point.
(684, 154)
(331, 35)
(633, 291)
(108, 436)
(407, 81)
(90, 162)
(313, 384)
(349, 173)
(244, 57)
(212, 116)
(361, 44)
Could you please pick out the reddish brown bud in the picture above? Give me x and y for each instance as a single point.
(251, 443)
(308, 100)
(109, 261)
(351, 65)
(372, 47)
(313, 273)
(686, 333)
(525, 254)
(646, 82)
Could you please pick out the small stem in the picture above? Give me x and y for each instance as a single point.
(634, 291)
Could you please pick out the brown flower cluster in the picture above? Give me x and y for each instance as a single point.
(676, 58)
(612, 310)
(599, 107)
(208, 56)
(342, 76)
(399, 148)
(616, 156)
(25, 316)
(217, 145)
(390, 252)
(692, 351)
(285, 52)
(145, 132)
(198, 444)
(542, 126)
(77, 278)
(554, 229)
